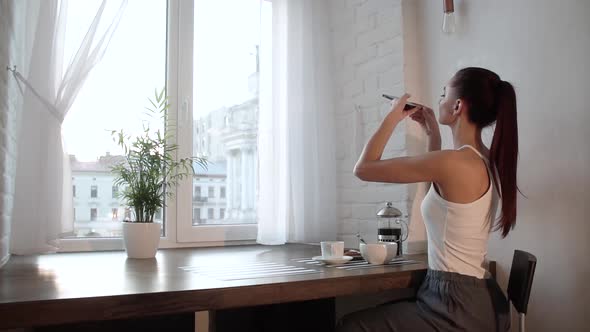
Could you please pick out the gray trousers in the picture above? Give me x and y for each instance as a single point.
(445, 302)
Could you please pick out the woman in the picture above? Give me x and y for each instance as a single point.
(459, 208)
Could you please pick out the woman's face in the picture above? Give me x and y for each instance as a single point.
(446, 106)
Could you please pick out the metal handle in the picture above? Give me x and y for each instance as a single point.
(404, 223)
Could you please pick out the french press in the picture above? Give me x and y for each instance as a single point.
(392, 232)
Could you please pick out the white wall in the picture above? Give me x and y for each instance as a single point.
(368, 61)
(543, 48)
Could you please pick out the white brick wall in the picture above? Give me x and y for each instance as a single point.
(12, 45)
(368, 61)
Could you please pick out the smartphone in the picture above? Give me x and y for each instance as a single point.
(408, 106)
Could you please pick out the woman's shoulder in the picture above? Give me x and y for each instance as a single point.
(465, 178)
(444, 162)
(464, 155)
(466, 164)
(451, 155)
(459, 162)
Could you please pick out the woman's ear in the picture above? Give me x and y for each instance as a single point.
(458, 107)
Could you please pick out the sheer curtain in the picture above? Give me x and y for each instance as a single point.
(43, 192)
(297, 188)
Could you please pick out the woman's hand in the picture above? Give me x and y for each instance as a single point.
(426, 118)
(397, 108)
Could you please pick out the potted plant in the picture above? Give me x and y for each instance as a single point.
(147, 175)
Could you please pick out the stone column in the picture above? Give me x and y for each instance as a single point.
(228, 186)
(251, 182)
(244, 180)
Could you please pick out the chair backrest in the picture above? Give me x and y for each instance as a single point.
(521, 279)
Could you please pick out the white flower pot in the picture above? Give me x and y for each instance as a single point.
(141, 239)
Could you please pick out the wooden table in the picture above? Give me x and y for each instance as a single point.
(76, 287)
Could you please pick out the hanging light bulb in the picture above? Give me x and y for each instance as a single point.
(448, 25)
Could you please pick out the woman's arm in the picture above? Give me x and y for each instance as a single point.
(427, 167)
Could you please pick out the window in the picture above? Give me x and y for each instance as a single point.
(158, 215)
(154, 46)
(115, 214)
(225, 93)
(112, 98)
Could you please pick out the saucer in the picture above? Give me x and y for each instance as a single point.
(332, 260)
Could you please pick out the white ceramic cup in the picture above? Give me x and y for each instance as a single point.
(378, 253)
(332, 248)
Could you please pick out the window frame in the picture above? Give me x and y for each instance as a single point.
(179, 231)
(180, 81)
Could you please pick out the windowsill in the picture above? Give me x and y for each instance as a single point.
(90, 244)
(116, 244)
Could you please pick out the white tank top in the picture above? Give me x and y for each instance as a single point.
(458, 233)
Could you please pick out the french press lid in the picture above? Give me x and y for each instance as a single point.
(389, 211)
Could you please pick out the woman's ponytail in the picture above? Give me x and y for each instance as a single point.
(504, 154)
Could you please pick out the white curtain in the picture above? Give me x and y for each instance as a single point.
(43, 192)
(297, 188)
